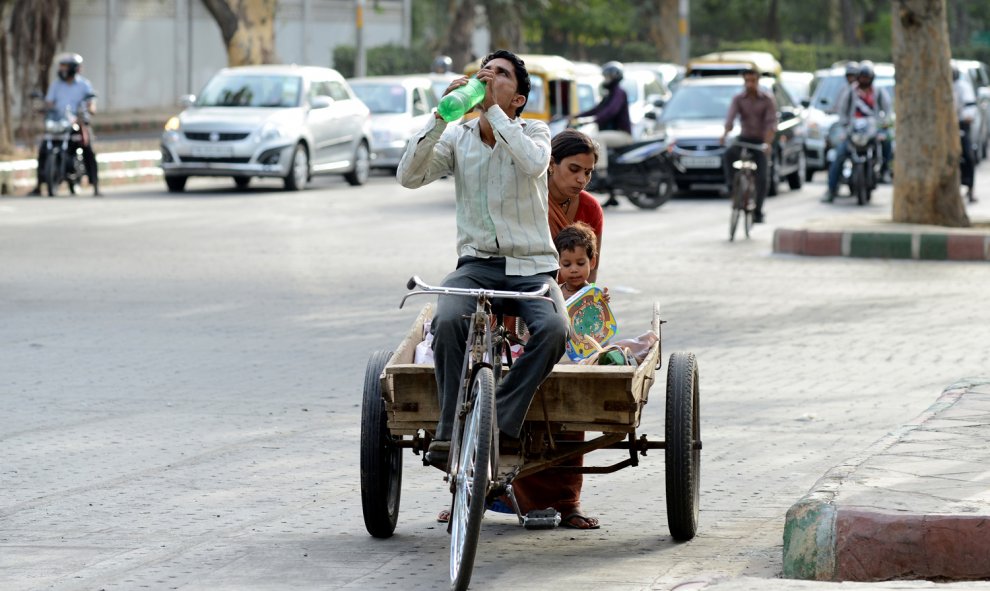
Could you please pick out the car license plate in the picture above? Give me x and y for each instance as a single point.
(699, 162)
(212, 151)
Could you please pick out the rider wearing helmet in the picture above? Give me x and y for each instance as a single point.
(442, 64)
(67, 93)
(612, 113)
(863, 100)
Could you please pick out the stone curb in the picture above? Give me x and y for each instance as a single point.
(826, 539)
(917, 245)
(17, 177)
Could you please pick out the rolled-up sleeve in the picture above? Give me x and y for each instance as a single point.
(427, 157)
(528, 145)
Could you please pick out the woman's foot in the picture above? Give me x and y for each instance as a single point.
(577, 520)
(443, 516)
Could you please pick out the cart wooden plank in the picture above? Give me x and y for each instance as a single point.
(599, 398)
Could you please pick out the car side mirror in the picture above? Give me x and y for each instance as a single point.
(659, 103)
(805, 103)
(650, 115)
(187, 100)
(320, 102)
(787, 114)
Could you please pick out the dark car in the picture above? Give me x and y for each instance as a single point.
(694, 120)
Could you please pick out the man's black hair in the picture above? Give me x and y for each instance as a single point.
(522, 74)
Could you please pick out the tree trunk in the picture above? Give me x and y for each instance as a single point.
(457, 41)
(248, 29)
(664, 31)
(773, 21)
(926, 170)
(849, 20)
(506, 28)
(6, 128)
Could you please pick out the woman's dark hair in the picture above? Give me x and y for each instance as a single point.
(522, 74)
(571, 142)
(577, 236)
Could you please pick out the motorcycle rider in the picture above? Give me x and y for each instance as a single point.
(67, 92)
(965, 103)
(442, 64)
(852, 72)
(864, 100)
(612, 113)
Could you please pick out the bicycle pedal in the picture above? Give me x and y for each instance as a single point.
(542, 519)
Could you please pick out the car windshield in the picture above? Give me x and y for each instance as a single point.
(632, 90)
(251, 90)
(700, 102)
(381, 97)
(586, 96)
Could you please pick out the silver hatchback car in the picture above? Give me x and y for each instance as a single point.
(289, 122)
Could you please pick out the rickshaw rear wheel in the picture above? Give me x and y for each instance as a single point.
(381, 458)
(683, 458)
(471, 482)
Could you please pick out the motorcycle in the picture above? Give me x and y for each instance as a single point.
(641, 171)
(64, 137)
(862, 170)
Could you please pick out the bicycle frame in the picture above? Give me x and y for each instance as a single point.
(484, 346)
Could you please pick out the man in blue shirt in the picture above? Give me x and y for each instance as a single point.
(66, 93)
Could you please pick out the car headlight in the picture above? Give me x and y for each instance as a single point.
(172, 124)
(270, 131)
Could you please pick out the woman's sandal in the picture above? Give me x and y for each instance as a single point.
(578, 520)
(443, 516)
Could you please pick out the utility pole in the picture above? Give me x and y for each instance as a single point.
(683, 30)
(360, 67)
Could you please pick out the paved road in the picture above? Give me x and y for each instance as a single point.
(181, 385)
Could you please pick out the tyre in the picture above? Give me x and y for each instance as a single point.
(242, 182)
(683, 457)
(471, 480)
(858, 184)
(176, 184)
(664, 190)
(53, 172)
(809, 173)
(795, 179)
(381, 458)
(295, 179)
(738, 187)
(362, 166)
(773, 178)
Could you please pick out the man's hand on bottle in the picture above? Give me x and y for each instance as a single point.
(488, 77)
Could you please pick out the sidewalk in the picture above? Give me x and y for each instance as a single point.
(915, 505)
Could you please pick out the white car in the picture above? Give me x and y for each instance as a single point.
(400, 108)
(289, 122)
(643, 89)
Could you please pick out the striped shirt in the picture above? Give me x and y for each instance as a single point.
(501, 191)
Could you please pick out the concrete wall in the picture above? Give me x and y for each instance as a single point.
(144, 54)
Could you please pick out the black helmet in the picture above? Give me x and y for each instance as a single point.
(72, 60)
(442, 64)
(866, 70)
(852, 69)
(612, 72)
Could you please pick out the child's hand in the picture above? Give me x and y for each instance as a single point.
(605, 296)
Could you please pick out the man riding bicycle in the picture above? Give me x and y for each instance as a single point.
(499, 163)
(757, 112)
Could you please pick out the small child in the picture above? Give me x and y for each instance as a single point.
(577, 248)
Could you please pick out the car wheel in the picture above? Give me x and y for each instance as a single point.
(176, 184)
(795, 178)
(295, 180)
(362, 166)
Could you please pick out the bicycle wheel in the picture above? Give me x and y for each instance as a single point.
(738, 188)
(748, 200)
(683, 459)
(471, 480)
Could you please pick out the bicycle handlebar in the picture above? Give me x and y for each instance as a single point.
(426, 289)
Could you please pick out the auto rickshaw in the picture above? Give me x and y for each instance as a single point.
(731, 63)
(553, 95)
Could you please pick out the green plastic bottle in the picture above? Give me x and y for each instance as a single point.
(461, 100)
